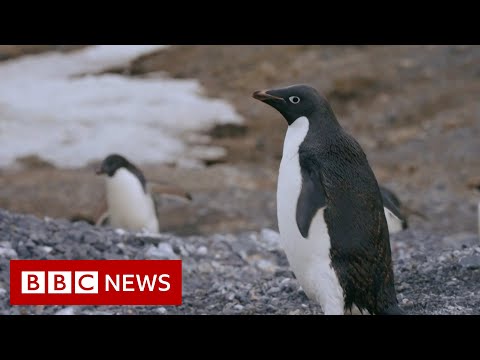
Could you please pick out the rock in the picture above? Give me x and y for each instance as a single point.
(8, 252)
(461, 240)
(46, 249)
(66, 311)
(470, 262)
(202, 251)
(162, 251)
(266, 265)
(271, 238)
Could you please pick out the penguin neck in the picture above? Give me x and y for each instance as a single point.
(296, 133)
(124, 184)
(324, 129)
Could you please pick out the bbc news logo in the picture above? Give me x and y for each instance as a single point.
(95, 282)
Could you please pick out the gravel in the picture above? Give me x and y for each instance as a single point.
(242, 273)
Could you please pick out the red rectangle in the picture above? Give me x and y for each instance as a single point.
(95, 282)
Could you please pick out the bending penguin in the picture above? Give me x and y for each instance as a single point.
(129, 197)
(330, 209)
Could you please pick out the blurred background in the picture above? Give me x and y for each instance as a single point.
(185, 115)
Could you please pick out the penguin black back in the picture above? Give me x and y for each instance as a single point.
(336, 176)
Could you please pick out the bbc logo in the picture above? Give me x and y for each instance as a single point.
(59, 282)
(95, 282)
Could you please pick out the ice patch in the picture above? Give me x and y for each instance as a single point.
(53, 105)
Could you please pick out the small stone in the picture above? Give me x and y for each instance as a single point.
(295, 312)
(162, 251)
(460, 240)
(271, 238)
(238, 307)
(2, 291)
(162, 310)
(470, 262)
(204, 268)
(273, 290)
(66, 311)
(403, 286)
(120, 232)
(202, 251)
(8, 253)
(46, 249)
(266, 265)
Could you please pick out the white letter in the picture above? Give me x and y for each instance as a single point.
(116, 284)
(146, 279)
(160, 279)
(33, 282)
(59, 282)
(86, 282)
(129, 282)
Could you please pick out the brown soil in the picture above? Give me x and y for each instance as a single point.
(414, 109)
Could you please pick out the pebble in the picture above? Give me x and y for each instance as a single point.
(66, 311)
(238, 307)
(471, 262)
(162, 251)
(202, 251)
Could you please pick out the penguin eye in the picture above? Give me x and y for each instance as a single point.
(294, 99)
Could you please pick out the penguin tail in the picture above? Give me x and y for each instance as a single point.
(392, 310)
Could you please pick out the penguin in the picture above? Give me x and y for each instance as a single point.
(396, 218)
(330, 210)
(129, 197)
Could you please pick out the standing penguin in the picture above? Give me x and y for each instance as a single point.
(330, 210)
(130, 202)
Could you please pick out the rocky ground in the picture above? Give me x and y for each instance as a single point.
(243, 273)
(415, 111)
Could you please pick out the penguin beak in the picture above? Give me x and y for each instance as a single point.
(99, 170)
(263, 95)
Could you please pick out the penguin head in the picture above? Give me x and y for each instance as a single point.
(111, 164)
(293, 101)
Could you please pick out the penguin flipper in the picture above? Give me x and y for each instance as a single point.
(168, 190)
(391, 202)
(311, 199)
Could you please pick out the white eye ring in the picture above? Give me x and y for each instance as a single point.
(294, 99)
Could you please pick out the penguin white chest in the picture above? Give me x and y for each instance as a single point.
(129, 207)
(309, 257)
